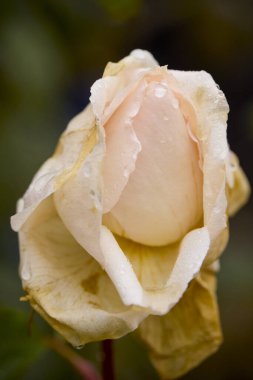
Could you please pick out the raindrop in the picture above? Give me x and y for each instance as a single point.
(160, 91)
(175, 103)
(216, 210)
(87, 170)
(25, 273)
(79, 347)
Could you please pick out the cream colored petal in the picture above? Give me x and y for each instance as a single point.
(145, 57)
(165, 272)
(79, 200)
(78, 203)
(211, 109)
(167, 181)
(118, 81)
(66, 286)
(74, 145)
(188, 334)
(122, 148)
(239, 191)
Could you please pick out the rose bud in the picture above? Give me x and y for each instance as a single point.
(123, 226)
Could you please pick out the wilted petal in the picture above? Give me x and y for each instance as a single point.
(183, 338)
(75, 143)
(239, 191)
(78, 202)
(165, 272)
(66, 285)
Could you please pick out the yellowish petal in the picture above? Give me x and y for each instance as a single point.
(66, 285)
(78, 203)
(239, 192)
(165, 272)
(74, 145)
(188, 334)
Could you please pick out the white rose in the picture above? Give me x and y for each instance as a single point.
(130, 210)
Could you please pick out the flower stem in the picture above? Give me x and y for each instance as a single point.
(85, 369)
(107, 363)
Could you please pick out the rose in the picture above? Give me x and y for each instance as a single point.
(124, 224)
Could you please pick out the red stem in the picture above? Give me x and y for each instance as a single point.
(107, 363)
(85, 369)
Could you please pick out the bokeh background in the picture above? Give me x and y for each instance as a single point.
(51, 52)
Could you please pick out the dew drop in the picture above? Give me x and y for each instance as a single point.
(216, 210)
(175, 103)
(87, 170)
(160, 91)
(20, 205)
(79, 347)
(26, 273)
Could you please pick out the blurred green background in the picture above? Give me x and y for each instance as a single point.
(51, 53)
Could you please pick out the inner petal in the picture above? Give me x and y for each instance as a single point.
(162, 200)
(122, 148)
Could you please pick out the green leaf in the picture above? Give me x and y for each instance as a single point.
(18, 349)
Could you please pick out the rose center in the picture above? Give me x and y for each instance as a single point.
(162, 200)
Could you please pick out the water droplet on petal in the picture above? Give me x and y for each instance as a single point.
(79, 347)
(26, 273)
(175, 103)
(160, 91)
(20, 205)
(87, 170)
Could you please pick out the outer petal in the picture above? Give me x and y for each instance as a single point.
(79, 204)
(118, 81)
(209, 104)
(183, 338)
(239, 191)
(75, 143)
(66, 286)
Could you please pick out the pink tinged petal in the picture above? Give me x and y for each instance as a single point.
(167, 181)
(211, 108)
(79, 204)
(122, 148)
(118, 81)
(144, 57)
(102, 93)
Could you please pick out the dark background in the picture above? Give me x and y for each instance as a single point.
(51, 53)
